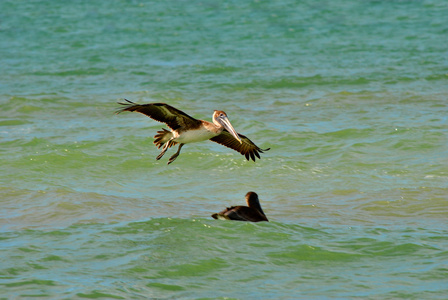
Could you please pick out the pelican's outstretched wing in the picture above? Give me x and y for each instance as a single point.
(246, 148)
(162, 112)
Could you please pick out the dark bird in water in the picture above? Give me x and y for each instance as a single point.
(186, 129)
(251, 213)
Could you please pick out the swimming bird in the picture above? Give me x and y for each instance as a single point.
(251, 213)
(186, 129)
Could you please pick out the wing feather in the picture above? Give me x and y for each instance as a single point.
(234, 215)
(247, 148)
(162, 112)
(231, 213)
(242, 213)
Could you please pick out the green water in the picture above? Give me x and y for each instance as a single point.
(351, 97)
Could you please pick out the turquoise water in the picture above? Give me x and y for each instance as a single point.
(351, 97)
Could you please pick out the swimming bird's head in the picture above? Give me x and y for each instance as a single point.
(253, 202)
(220, 118)
(252, 199)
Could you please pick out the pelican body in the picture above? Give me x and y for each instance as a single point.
(250, 213)
(186, 129)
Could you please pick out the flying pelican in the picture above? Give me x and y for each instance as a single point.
(186, 129)
(251, 213)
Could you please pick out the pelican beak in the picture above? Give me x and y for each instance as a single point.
(226, 123)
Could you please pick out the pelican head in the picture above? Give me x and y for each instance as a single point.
(220, 118)
(253, 202)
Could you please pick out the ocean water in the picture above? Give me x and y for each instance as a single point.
(351, 97)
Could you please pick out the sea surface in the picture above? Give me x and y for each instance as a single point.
(351, 97)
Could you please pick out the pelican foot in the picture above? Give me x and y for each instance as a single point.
(160, 155)
(165, 147)
(172, 158)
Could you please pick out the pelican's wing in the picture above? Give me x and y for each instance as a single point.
(242, 213)
(230, 213)
(246, 148)
(162, 112)
(234, 215)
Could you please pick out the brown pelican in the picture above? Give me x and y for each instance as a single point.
(251, 213)
(186, 129)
